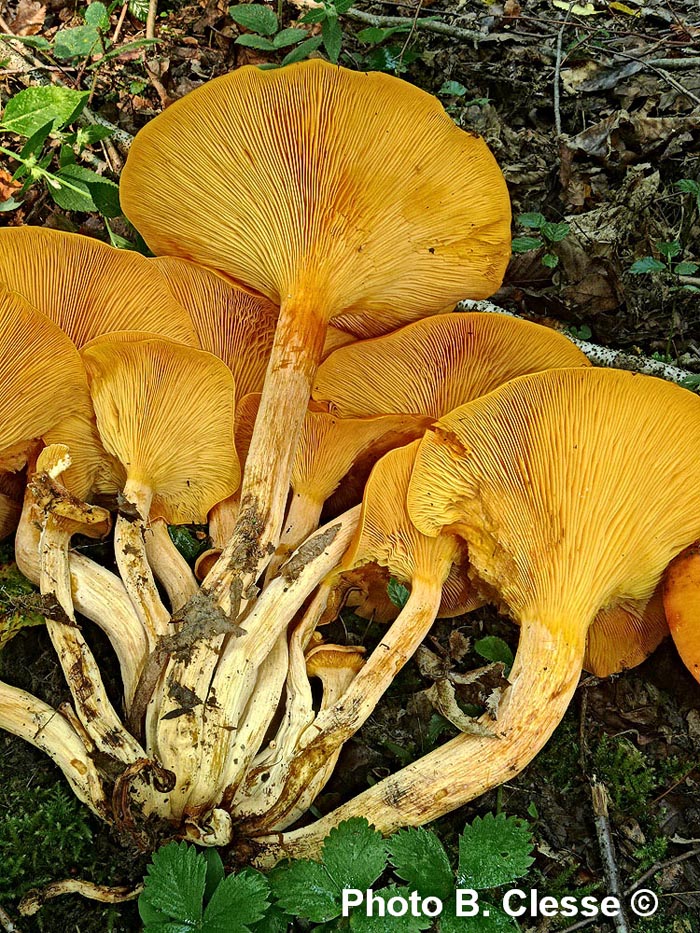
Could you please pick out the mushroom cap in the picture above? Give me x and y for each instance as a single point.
(681, 595)
(236, 325)
(89, 288)
(386, 535)
(624, 635)
(329, 447)
(439, 363)
(11, 496)
(348, 192)
(573, 488)
(43, 392)
(184, 453)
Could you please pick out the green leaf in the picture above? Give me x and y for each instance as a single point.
(669, 248)
(254, 16)
(647, 264)
(419, 858)
(139, 9)
(555, 233)
(492, 648)
(550, 260)
(491, 919)
(30, 110)
(686, 268)
(342, 6)
(316, 15)
(289, 37)
(389, 58)
(68, 198)
(533, 220)
(97, 15)
(332, 36)
(302, 50)
(533, 811)
(523, 244)
(32, 42)
(354, 854)
(493, 851)
(452, 89)
(215, 872)
(174, 883)
(78, 42)
(240, 899)
(35, 143)
(361, 923)
(87, 135)
(187, 543)
(397, 593)
(305, 889)
(256, 42)
(373, 35)
(10, 204)
(688, 185)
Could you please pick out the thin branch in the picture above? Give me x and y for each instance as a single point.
(602, 356)
(429, 25)
(603, 831)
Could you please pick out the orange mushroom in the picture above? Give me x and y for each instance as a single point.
(332, 193)
(681, 595)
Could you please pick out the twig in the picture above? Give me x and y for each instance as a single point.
(443, 29)
(120, 22)
(660, 867)
(660, 72)
(601, 818)
(602, 356)
(557, 77)
(151, 19)
(419, 7)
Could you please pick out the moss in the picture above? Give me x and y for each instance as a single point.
(629, 777)
(19, 599)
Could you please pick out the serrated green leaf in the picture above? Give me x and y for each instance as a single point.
(419, 858)
(33, 108)
(239, 900)
(452, 89)
(523, 244)
(493, 851)
(332, 36)
(669, 248)
(686, 268)
(256, 17)
(68, 198)
(94, 133)
(32, 42)
(361, 923)
(342, 6)
(373, 35)
(77, 42)
(647, 264)
(288, 37)
(354, 854)
(275, 920)
(139, 9)
(97, 15)
(175, 881)
(397, 593)
(532, 220)
(316, 15)
(251, 41)
(550, 260)
(305, 889)
(492, 648)
(555, 233)
(302, 50)
(688, 185)
(215, 872)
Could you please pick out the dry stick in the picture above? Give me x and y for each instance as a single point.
(607, 851)
(151, 19)
(601, 356)
(8, 923)
(443, 29)
(659, 866)
(120, 22)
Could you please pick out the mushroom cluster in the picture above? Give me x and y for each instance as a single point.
(289, 370)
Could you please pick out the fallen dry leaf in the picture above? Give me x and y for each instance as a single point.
(7, 185)
(29, 18)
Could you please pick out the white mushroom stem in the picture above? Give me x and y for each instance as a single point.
(134, 569)
(337, 722)
(296, 353)
(168, 565)
(97, 594)
(543, 680)
(301, 521)
(38, 723)
(265, 780)
(602, 356)
(222, 520)
(223, 761)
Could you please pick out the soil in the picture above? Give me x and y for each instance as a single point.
(615, 77)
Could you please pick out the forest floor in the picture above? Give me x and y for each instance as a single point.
(593, 112)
